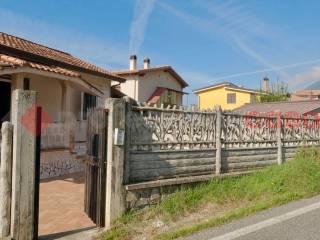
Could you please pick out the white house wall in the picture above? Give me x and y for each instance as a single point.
(147, 84)
(130, 87)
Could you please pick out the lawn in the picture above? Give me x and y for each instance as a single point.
(221, 200)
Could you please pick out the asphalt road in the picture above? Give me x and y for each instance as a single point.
(298, 220)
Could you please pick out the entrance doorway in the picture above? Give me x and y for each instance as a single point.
(73, 203)
(5, 96)
(62, 206)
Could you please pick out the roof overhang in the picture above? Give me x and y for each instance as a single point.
(245, 90)
(51, 62)
(226, 86)
(165, 68)
(158, 92)
(76, 82)
(209, 88)
(174, 90)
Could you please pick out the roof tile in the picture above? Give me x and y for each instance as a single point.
(17, 43)
(152, 69)
(299, 107)
(8, 61)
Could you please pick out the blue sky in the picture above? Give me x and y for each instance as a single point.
(206, 41)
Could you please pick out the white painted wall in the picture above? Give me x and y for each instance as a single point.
(130, 87)
(150, 81)
(146, 85)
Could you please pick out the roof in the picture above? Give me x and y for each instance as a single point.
(307, 92)
(228, 85)
(46, 56)
(165, 68)
(8, 62)
(12, 62)
(300, 107)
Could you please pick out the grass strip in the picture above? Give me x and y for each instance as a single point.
(245, 195)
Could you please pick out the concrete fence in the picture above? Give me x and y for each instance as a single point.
(164, 148)
(169, 143)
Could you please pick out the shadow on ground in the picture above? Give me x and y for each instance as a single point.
(79, 234)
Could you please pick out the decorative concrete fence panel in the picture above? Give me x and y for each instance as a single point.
(171, 142)
(167, 143)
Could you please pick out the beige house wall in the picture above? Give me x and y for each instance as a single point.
(50, 96)
(100, 83)
(146, 84)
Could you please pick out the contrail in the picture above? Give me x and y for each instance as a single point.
(142, 12)
(282, 67)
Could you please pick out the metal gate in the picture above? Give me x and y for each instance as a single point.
(95, 169)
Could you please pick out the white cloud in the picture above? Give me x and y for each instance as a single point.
(141, 15)
(98, 51)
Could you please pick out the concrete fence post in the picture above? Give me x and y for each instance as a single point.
(115, 192)
(218, 139)
(129, 104)
(5, 179)
(279, 140)
(23, 165)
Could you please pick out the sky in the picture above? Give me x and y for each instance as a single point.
(206, 41)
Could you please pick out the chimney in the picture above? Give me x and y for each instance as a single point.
(146, 63)
(133, 62)
(265, 85)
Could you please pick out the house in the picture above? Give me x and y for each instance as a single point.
(306, 94)
(296, 108)
(228, 95)
(312, 92)
(66, 87)
(155, 85)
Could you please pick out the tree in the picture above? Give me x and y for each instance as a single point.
(278, 92)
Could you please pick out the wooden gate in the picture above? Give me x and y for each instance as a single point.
(95, 170)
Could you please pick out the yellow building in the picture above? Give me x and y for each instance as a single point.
(228, 95)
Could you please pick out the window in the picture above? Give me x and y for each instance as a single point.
(231, 98)
(26, 84)
(89, 101)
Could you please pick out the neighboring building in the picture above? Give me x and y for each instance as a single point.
(66, 87)
(306, 94)
(228, 95)
(155, 85)
(307, 107)
(311, 92)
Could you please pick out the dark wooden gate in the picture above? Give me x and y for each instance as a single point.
(95, 171)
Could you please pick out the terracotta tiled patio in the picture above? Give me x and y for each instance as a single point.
(61, 205)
